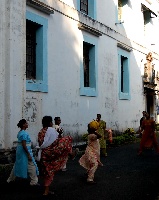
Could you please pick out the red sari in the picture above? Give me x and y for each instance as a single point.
(148, 139)
(53, 157)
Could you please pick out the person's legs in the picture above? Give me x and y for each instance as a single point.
(12, 176)
(74, 153)
(47, 182)
(32, 173)
(142, 143)
(92, 171)
(103, 151)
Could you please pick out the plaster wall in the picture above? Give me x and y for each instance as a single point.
(63, 97)
(65, 49)
(12, 68)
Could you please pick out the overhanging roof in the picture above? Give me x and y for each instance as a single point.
(145, 8)
(40, 6)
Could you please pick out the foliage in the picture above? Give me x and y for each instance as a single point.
(157, 127)
(126, 137)
(85, 136)
(122, 139)
(129, 131)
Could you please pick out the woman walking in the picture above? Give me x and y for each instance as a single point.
(25, 163)
(148, 139)
(91, 159)
(53, 152)
(102, 131)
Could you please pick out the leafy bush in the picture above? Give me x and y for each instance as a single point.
(129, 131)
(157, 127)
(127, 136)
(85, 136)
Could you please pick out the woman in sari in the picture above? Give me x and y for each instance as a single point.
(102, 131)
(91, 159)
(53, 152)
(148, 139)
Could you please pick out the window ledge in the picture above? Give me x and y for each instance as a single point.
(88, 29)
(40, 6)
(124, 96)
(87, 91)
(125, 47)
(36, 86)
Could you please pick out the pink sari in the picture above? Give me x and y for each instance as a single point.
(91, 159)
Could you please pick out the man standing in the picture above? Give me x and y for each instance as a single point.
(102, 132)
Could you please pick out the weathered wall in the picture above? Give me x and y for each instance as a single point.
(64, 58)
(12, 67)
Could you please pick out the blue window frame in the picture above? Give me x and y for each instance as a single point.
(40, 81)
(88, 79)
(124, 76)
(91, 8)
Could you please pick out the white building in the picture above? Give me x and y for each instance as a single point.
(74, 59)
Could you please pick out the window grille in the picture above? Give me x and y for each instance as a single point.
(122, 73)
(86, 60)
(84, 6)
(30, 50)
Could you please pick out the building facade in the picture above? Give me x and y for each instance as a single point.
(77, 58)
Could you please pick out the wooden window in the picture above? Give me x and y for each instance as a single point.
(86, 60)
(84, 6)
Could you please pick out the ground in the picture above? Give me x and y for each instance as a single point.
(124, 176)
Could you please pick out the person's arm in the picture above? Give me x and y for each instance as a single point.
(98, 135)
(105, 131)
(26, 150)
(60, 131)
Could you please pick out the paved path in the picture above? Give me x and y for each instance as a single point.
(124, 176)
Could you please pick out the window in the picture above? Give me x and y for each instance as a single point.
(31, 29)
(86, 60)
(147, 17)
(88, 84)
(84, 6)
(123, 62)
(120, 9)
(36, 52)
(87, 7)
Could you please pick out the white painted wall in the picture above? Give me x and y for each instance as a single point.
(64, 57)
(12, 68)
